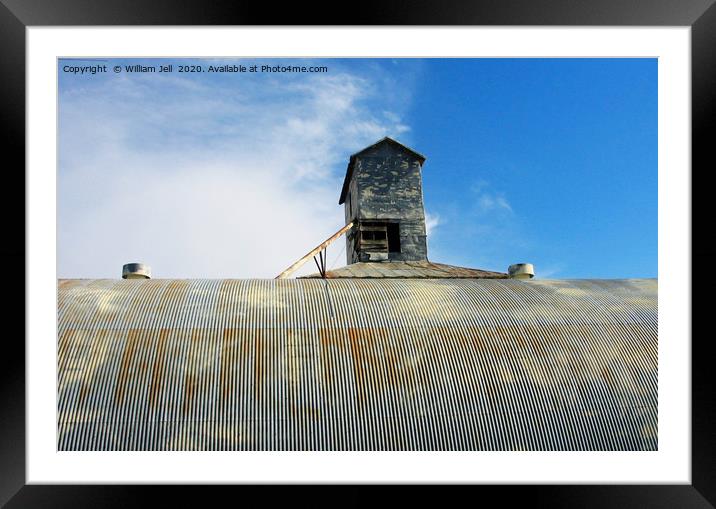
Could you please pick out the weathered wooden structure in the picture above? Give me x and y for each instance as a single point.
(383, 197)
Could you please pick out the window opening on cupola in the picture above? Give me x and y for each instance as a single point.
(380, 237)
(394, 237)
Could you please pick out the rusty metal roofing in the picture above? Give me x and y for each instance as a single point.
(413, 270)
(357, 364)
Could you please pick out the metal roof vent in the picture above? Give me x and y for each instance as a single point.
(136, 271)
(521, 271)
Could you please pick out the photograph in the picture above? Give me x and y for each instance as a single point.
(357, 254)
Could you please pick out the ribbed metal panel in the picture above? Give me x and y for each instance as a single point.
(380, 365)
(408, 270)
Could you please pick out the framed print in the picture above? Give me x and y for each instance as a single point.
(362, 373)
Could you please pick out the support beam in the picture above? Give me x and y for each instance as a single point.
(313, 251)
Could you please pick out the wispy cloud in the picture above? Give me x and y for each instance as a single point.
(479, 229)
(487, 199)
(548, 271)
(431, 222)
(234, 178)
(493, 202)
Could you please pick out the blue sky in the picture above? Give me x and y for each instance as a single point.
(548, 161)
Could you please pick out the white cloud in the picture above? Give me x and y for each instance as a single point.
(488, 200)
(548, 272)
(238, 179)
(431, 222)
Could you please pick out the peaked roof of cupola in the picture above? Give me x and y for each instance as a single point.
(351, 162)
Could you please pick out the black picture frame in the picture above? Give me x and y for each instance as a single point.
(16, 15)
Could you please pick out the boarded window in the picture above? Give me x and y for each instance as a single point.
(373, 237)
(379, 237)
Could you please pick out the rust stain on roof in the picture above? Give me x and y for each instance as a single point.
(332, 343)
(131, 344)
(608, 377)
(62, 345)
(194, 358)
(173, 294)
(158, 368)
(228, 354)
(451, 364)
(259, 363)
(189, 391)
(358, 370)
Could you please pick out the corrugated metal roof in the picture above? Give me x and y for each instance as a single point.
(389, 364)
(412, 270)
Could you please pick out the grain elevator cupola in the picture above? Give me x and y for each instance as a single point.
(383, 197)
